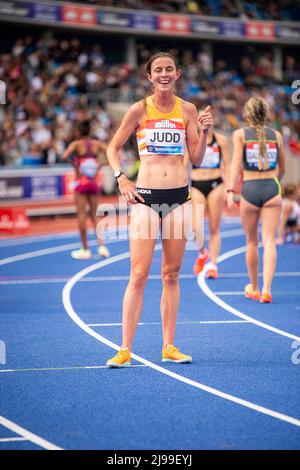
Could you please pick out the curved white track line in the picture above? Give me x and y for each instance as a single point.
(212, 296)
(66, 297)
(27, 434)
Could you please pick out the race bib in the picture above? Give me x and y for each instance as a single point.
(165, 137)
(211, 158)
(88, 167)
(253, 154)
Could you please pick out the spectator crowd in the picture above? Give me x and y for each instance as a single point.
(53, 84)
(287, 10)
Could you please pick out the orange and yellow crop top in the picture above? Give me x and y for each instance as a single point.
(162, 133)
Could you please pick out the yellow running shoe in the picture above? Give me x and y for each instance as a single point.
(121, 359)
(172, 354)
(266, 298)
(250, 293)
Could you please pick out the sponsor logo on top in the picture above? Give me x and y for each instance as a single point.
(165, 124)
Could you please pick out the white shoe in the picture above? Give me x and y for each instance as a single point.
(103, 251)
(81, 254)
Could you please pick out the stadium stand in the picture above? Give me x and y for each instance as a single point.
(263, 10)
(55, 82)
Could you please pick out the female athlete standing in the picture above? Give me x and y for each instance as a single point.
(165, 125)
(260, 150)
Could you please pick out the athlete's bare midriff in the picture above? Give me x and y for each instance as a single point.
(202, 174)
(259, 175)
(162, 172)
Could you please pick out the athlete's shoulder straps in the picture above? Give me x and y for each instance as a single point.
(270, 134)
(250, 133)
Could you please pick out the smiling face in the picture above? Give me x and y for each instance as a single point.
(163, 74)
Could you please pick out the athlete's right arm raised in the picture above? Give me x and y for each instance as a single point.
(128, 125)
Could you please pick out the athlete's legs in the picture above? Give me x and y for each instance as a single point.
(174, 231)
(250, 216)
(215, 202)
(198, 207)
(93, 200)
(144, 229)
(81, 202)
(270, 215)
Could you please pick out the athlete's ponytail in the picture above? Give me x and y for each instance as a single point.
(256, 113)
(263, 159)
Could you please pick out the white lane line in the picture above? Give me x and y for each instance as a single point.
(32, 281)
(52, 250)
(47, 251)
(178, 323)
(36, 238)
(25, 240)
(212, 296)
(54, 280)
(152, 277)
(27, 434)
(42, 369)
(229, 292)
(278, 292)
(42, 252)
(66, 297)
(278, 274)
(13, 439)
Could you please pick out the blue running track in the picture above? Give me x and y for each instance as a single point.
(60, 322)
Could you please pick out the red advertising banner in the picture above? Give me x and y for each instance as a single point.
(260, 30)
(174, 23)
(13, 220)
(79, 15)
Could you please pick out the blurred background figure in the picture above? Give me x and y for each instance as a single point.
(83, 153)
(289, 227)
(208, 190)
